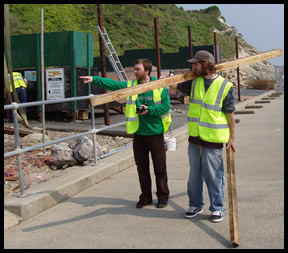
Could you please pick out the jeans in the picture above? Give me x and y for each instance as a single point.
(208, 167)
(21, 93)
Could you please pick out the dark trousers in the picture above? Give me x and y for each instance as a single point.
(154, 144)
(21, 93)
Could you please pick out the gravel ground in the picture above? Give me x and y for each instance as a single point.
(37, 166)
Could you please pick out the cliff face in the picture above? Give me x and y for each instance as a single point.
(260, 70)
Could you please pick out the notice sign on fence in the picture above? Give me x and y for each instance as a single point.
(55, 84)
(30, 75)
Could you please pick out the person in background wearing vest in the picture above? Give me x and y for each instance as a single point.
(148, 128)
(210, 125)
(20, 86)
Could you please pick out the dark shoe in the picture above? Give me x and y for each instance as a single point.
(141, 204)
(161, 204)
(193, 211)
(217, 216)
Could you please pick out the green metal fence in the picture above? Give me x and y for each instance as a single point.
(61, 49)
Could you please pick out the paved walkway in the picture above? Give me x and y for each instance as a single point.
(104, 215)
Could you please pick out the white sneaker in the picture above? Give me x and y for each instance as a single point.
(217, 216)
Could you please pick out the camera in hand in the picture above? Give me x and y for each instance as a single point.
(140, 109)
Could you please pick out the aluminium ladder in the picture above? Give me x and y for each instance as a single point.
(113, 57)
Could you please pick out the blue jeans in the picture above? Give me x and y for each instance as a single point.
(21, 93)
(209, 167)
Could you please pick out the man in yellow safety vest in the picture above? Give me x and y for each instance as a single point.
(148, 118)
(210, 125)
(20, 86)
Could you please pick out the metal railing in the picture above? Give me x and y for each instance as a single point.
(19, 151)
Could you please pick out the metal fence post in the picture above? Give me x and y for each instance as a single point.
(17, 142)
(93, 134)
(94, 131)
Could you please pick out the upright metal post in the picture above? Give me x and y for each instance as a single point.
(238, 76)
(93, 134)
(190, 45)
(42, 80)
(103, 66)
(157, 48)
(215, 48)
(17, 142)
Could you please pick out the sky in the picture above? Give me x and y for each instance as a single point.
(261, 25)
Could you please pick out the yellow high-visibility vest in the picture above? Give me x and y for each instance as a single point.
(18, 81)
(205, 116)
(132, 118)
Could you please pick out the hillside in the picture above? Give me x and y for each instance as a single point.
(131, 26)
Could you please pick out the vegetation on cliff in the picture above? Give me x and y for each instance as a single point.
(130, 26)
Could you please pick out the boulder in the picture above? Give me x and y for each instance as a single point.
(62, 154)
(83, 149)
(33, 139)
(79, 151)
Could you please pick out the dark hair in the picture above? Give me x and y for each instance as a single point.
(146, 63)
(211, 67)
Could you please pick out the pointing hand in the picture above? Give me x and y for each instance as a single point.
(87, 79)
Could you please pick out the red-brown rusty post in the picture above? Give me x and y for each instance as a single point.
(215, 49)
(190, 45)
(238, 76)
(157, 48)
(102, 58)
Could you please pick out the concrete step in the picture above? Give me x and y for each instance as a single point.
(269, 98)
(262, 102)
(244, 112)
(253, 106)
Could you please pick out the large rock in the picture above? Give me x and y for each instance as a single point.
(33, 139)
(62, 154)
(261, 70)
(83, 149)
(79, 151)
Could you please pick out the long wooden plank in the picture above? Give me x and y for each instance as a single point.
(123, 93)
(248, 60)
(232, 198)
(22, 132)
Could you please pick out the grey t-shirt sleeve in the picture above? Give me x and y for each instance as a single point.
(185, 87)
(229, 102)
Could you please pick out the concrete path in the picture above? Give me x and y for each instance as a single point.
(104, 215)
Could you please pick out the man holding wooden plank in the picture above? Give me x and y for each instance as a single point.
(173, 81)
(148, 118)
(210, 125)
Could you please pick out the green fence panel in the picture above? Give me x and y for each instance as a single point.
(57, 46)
(177, 60)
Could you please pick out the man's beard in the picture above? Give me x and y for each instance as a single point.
(203, 72)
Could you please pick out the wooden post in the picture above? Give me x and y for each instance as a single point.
(103, 64)
(232, 198)
(190, 45)
(238, 75)
(157, 48)
(215, 48)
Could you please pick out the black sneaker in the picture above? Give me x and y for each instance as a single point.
(161, 204)
(193, 211)
(141, 204)
(217, 216)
